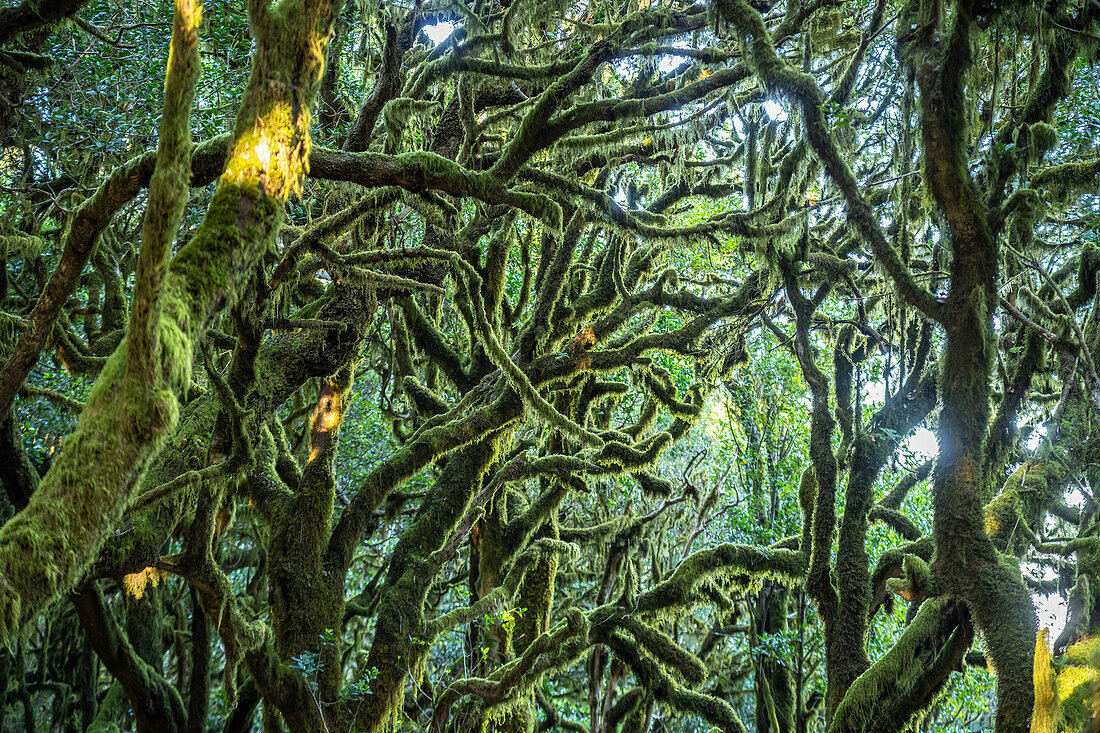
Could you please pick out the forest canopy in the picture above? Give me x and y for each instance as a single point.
(610, 366)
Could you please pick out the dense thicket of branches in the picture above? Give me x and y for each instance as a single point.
(471, 365)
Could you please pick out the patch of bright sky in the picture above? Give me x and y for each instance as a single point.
(1052, 609)
(1036, 435)
(775, 111)
(923, 442)
(438, 32)
(876, 391)
(1075, 498)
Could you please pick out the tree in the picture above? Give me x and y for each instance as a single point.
(516, 365)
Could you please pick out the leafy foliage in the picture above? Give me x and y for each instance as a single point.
(630, 365)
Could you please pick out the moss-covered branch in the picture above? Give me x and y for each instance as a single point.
(45, 549)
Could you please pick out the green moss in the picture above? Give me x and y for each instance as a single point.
(1067, 178)
(741, 566)
(49, 545)
(20, 246)
(397, 649)
(1044, 138)
(908, 678)
(1002, 517)
(1045, 717)
(667, 651)
(110, 710)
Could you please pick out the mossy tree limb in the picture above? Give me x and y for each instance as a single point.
(128, 415)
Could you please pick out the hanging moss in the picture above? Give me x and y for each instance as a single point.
(910, 676)
(19, 246)
(1068, 178)
(130, 410)
(1044, 138)
(132, 406)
